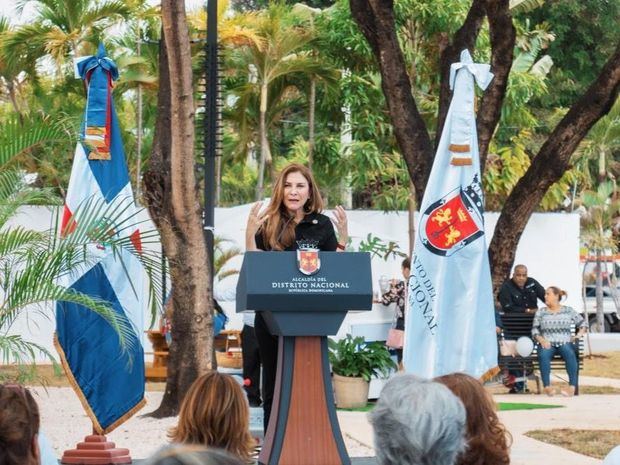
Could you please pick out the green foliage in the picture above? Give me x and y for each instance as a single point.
(379, 248)
(600, 209)
(356, 358)
(586, 34)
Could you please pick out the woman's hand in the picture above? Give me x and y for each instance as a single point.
(255, 221)
(544, 343)
(340, 220)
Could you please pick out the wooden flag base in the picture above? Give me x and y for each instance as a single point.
(96, 450)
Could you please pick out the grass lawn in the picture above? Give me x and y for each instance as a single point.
(594, 443)
(605, 364)
(505, 406)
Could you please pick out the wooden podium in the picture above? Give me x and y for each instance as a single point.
(303, 310)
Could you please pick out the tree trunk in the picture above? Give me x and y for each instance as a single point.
(411, 205)
(264, 144)
(464, 38)
(600, 313)
(311, 109)
(13, 98)
(171, 196)
(602, 169)
(139, 129)
(549, 165)
(375, 19)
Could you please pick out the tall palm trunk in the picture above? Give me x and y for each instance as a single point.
(411, 205)
(139, 129)
(600, 314)
(265, 156)
(172, 199)
(311, 119)
(13, 98)
(602, 171)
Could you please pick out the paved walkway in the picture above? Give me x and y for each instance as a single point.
(581, 412)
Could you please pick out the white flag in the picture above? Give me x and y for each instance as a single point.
(450, 321)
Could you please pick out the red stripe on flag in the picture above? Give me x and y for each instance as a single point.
(68, 224)
(136, 241)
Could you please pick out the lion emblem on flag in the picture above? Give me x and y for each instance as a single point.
(453, 221)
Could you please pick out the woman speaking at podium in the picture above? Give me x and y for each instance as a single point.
(291, 221)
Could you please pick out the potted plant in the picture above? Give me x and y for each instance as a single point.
(354, 362)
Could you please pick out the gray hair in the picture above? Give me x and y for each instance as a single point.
(188, 454)
(417, 422)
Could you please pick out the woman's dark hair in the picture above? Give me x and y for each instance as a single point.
(557, 291)
(406, 263)
(19, 424)
(488, 441)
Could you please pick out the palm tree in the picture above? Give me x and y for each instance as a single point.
(598, 149)
(281, 54)
(33, 262)
(600, 208)
(65, 28)
(14, 68)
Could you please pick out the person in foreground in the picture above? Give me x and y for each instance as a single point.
(417, 422)
(488, 442)
(179, 454)
(215, 413)
(552, 329)
(19, 426)
(292, 221)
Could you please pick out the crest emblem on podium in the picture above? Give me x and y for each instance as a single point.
(308, 261)
(453, 221)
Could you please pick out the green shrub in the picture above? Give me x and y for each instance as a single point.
(354, 357)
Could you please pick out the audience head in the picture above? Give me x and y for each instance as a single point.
(405, 267)
(215, 413)
(519, 275)
(192, 455)
(487, 438)
(554, 295)
(417, 422)
(19, 426)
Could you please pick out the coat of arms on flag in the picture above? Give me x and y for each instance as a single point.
(308, 261)
(108, 376)
(453, 221)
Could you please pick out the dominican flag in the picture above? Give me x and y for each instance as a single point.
(108, 378)
(450, 321)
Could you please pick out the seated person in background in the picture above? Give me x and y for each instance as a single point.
(552, 329)
(19, 426)
(520, 294)
(215, 413)
(417, 422)
(398, 294)
(192, 455)
(487, 438)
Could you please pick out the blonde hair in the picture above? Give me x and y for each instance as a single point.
(215, 413)
(279, 228)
